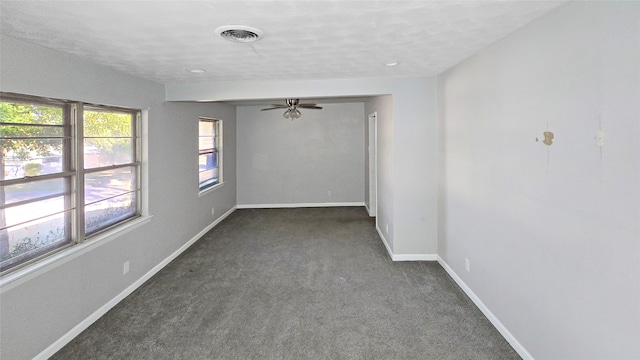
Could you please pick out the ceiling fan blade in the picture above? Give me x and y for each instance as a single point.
(310, 106)
(274, 108)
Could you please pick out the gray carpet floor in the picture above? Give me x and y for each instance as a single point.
(313, 283)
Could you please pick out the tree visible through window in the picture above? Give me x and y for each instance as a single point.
(110, 168)
(68, 171)
(209, 152)
(35, 196)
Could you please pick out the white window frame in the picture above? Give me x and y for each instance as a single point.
(217, 149)
(75, 171)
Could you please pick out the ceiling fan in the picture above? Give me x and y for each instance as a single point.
(291, 107)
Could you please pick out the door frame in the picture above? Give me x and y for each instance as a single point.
(373, 163)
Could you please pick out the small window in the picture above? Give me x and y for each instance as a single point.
(69, 170)
(209, 152)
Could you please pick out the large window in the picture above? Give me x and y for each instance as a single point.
(210, 152)
(69, 171)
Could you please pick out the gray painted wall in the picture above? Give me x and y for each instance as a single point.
(298, 162)
(38, 311)
(552, 233)
(415, 170)
(412, 144)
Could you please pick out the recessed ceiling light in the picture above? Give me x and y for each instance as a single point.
(391, 63)
(196, 71)
(239, 33)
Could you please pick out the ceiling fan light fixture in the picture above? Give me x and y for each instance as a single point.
(292, 113)
(239, 33)
(291, 108)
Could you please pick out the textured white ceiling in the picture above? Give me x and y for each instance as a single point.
(161, 40)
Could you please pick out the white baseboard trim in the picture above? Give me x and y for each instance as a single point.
(298, 205)
(384, 241)
(414, 257)
(524, 354)
(371, 214)
(84, 324)
(405, 257)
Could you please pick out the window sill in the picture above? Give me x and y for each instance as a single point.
(210, 189)
(20, 276)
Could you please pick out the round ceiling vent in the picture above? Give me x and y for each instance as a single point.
(239, 33)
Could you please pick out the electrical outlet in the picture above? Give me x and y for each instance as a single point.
(386, 228)
(467, 264)
(213, 211)
(329, 193)
(125, 267)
